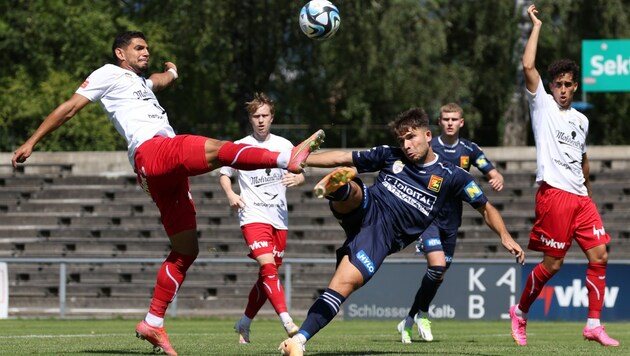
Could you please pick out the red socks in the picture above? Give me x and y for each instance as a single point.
(246, 157)
(273, 287)
(269, 287)
(169, 279)
(257, 298)
(596, 286)
(535, 282)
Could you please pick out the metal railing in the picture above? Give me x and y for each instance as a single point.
(63, 262)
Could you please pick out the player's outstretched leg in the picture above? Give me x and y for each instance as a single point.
(333, 181)
(156, 336)
(300, 152)
(599, 334)
(519, 326)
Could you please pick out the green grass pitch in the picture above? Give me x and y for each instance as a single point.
(217, 337)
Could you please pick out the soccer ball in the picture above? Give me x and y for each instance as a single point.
(319, 19)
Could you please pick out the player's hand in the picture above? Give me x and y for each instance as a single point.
(532, 11)
(169, 65)
(515, 249)
(496, 183)
(236, 202)
(292, 180)
(21, 154)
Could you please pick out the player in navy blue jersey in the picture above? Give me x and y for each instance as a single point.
(437, 243)
(412, 185)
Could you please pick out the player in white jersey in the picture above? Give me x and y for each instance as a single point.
(162, 160)
(263, 216)
(564, 208)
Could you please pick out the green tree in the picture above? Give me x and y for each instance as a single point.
(51, 46)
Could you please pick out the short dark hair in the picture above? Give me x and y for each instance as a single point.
(259, 100)
(563, 66)
(413, 118)
(124, 39)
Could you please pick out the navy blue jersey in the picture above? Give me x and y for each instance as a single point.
(410, 195)
(463, 153)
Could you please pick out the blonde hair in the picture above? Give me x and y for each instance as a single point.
(452, 107)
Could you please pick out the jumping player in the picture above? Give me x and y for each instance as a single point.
(412, 185)
(162, 160)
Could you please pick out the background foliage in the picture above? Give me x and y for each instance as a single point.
(388, 55)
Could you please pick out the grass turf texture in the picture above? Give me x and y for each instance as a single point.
(217, 337)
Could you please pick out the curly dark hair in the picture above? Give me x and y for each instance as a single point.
(411, 119)
(563, 66)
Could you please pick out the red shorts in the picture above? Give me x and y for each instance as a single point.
(163, 165)
(264, 238)
(561, 217)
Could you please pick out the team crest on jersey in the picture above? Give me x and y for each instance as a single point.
(472, 190)
(398, 167)
(464, 162)
(435, 183)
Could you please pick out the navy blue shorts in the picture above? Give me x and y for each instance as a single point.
(369, 238)
(435, 238)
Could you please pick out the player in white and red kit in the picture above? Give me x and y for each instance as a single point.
(564, 208)
(162, 160)
(263, 216)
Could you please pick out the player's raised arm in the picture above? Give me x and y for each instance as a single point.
(166, 78)
(532, 77)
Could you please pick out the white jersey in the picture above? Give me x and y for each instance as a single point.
(560, 142)
(130, 104)
(262, 191)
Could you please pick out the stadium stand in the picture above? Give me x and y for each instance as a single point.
(93, 208)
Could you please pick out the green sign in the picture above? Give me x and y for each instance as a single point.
(605, 65)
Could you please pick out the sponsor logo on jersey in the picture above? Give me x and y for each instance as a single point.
(482, 161)
(472, 190)
(464, 161)
(435, 183)
(599, 232)
(410, 194)
(266, 179)
(569, 140)
(398, 167)
(366, 261)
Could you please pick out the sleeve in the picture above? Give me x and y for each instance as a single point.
(228, 171)
(149, 84)
(97, 84)
(480, 160)
(466, 189)
(371, 160)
